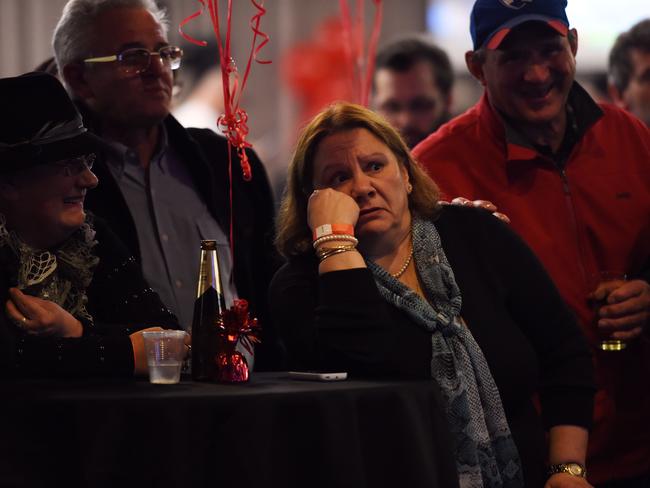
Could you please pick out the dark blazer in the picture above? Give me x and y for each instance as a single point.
(206, 157)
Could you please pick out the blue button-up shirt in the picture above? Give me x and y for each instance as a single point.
(171, 219)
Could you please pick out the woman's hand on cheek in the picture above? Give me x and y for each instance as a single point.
(328, 206)
(41, 317)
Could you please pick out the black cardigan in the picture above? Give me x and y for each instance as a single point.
(120, 302)
(529, 337)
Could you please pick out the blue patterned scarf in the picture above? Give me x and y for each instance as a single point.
(486, 455)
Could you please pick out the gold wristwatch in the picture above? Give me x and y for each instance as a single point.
(574, 469)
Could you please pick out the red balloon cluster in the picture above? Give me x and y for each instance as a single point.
(337, 63)
(317, 70)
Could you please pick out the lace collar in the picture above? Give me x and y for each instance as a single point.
(61, 275)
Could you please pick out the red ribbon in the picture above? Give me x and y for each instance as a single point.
(233, 122)
(189, 19)
(361, 61)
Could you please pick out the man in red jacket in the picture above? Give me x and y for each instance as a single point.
(574, 178)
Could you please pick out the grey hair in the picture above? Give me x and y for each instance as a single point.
(72, 34)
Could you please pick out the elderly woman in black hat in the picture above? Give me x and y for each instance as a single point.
(75, 302)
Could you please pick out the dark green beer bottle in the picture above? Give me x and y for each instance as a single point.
(210, 304)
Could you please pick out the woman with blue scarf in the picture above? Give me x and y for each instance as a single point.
(382, 280)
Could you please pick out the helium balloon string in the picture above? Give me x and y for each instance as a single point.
(234, 120)
(255, 27)
(196, 14)
(231, 229)
(372, 50)
(360, 38)
(350, 56)
(360, 57)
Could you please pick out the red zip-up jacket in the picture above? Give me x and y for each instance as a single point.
(590, 213)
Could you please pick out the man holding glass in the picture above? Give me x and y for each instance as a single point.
(163, 188)
(573, 177)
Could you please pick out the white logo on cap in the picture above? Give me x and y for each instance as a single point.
(516, 4)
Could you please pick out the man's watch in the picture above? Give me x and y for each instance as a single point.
(574, 469)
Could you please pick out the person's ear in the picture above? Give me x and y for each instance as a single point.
(616, 96)
(75, 76)
(449, 101)
(573, 41)
(406, 177)
(475, 65)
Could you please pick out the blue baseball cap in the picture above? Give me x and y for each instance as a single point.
(492, 20)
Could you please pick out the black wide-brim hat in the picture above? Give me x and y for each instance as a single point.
(40, 124)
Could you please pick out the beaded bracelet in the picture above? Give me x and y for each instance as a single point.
(335, 237)
(327, 252)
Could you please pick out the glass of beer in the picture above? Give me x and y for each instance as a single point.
(603, 284)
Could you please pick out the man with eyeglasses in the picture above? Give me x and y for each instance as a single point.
(163, 188)
(412, 87)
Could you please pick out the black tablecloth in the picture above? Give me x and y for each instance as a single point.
(272, 431)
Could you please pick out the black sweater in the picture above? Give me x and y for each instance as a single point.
(530, 340)
(120, 302)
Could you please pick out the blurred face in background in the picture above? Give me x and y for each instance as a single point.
(636, 96)
(411, 101)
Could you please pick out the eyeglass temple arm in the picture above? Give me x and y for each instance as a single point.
(102, 59)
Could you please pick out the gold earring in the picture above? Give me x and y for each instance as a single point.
(409, 188)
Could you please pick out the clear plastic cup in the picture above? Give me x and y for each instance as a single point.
(165, 352)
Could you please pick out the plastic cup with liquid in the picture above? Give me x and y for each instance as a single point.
(165, 353)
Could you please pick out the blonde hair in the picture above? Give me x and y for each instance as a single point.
(293, 236)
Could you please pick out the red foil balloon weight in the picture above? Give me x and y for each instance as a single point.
(235, 327)
(233, 367)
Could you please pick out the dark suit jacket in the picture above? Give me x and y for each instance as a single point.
(206, 156)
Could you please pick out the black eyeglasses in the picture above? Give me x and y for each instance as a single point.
(76, 166)
(137, 60)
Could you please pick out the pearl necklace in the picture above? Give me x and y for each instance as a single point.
(404, 267)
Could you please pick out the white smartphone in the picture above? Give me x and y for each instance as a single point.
(317, 376)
